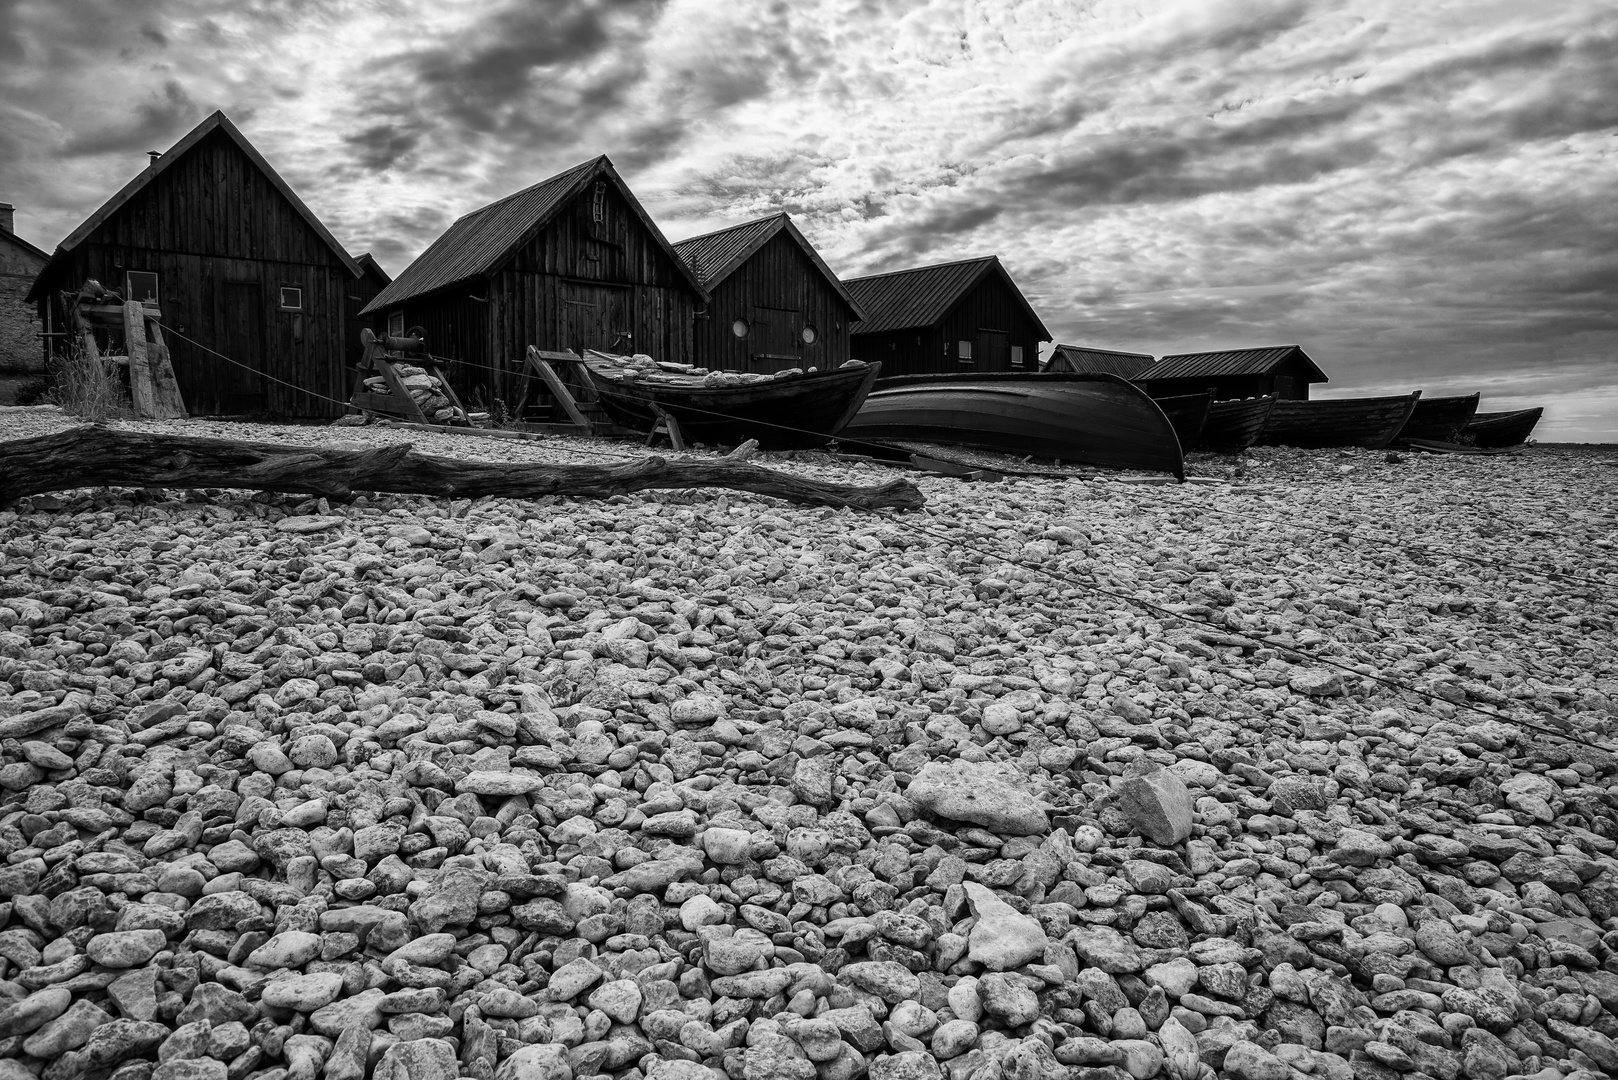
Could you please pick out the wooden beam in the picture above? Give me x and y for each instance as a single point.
(165, 388)
(542, 367)
(90, 456)
(141, 390)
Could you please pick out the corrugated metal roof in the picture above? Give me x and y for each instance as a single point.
(1083, 358)
(478, 243)
(216, 122)
(1260, 361)
(922, 296)
(715, 256)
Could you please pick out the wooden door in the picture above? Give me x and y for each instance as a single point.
(992, 350)
(241, 384)
(773, 343)
(598, 317)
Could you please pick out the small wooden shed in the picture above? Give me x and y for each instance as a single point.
(1283, 370)
(774, 303)
(573, 262)
(1086, 358)
(251, 287)
(952, 317)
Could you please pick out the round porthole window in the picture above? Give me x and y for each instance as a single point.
(739, 328)
(809, 334)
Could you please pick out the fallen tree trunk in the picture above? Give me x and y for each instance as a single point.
(90, 456)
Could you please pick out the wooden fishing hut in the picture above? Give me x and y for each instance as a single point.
(774, 303)
(573, 262)
(1084, 359)
(1283, 370)
(223, 252)
(947, 318)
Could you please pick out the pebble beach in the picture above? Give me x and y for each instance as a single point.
(1303, 770)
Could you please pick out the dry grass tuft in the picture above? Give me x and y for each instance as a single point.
(89, 389)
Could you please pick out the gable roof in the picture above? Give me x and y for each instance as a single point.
(923, 295)
(1084, 358)
(1260, 361)
(479, 243)
(217, 122)
(38, 253)
(368, 264)
(715, 256)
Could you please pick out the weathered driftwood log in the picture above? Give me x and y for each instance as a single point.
(89, 456)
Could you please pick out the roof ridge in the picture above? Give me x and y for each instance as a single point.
(732, 228)
(1234, 349)
(1098, 348)
(928, 266)
(551, 179)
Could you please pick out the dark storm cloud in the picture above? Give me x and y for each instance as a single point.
(380, 146)
(155, 124)
(487, 78)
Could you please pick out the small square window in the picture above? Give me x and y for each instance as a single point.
(141, 285)
(396, 324)
(291, 298)
(1016, 356)
(963, 349)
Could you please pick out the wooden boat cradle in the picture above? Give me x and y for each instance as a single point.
(382, 355)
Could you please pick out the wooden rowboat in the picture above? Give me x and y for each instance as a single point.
(1440, 419)
(1090, 419)
(1369, 422)
(1189, 415)
(784, 412)
(1502, 428)
(1235, 425)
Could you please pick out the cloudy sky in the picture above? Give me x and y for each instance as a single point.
(1422, 194)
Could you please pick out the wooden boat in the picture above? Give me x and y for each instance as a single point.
(784, 412)
(1189, 415)
(1369, 422)
(1089, 419)
(1502, 428)
(1235, 425)
(1440, 419)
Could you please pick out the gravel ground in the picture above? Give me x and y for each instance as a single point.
(695, 785)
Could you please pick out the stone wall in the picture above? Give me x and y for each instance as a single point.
(21, 348)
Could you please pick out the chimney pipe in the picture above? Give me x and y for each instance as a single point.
(8, 218)
(154, 155)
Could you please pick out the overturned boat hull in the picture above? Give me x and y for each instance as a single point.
(1372, 423)
(1502, 428)
(794, 412)
(1090, 419)
(1189, 415)
(1440, 419)
(1235, 425)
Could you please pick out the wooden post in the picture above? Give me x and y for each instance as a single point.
(166, 389)
(140, 371)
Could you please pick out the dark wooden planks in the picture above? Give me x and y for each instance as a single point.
(1503, 428)
(1368, 422)
(1440, 419)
